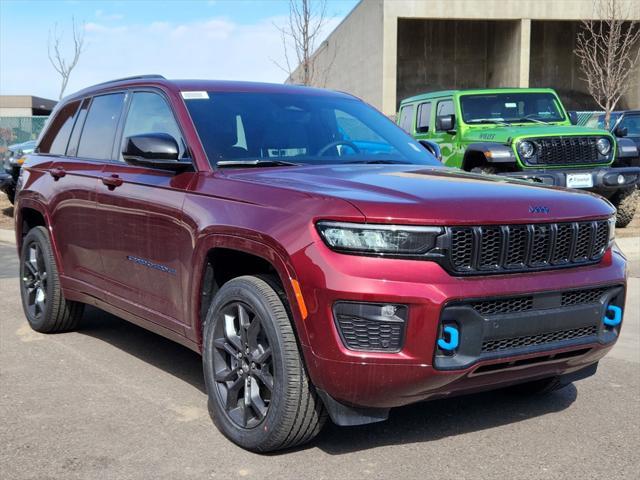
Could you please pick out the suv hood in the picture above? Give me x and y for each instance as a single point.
(412, 194)
(502, 134)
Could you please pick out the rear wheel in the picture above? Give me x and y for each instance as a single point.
(626, 203)
(259, 394)
(45, 307)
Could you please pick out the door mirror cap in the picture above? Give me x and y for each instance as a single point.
(433, 148)
(446, 123)
(154, 150)
(573, 118)
(621, 132)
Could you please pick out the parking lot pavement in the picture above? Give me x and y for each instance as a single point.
(113, 401)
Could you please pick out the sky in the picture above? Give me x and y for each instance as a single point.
(213, 39)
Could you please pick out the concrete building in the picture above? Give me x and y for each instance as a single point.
(386, 50)
(25, 106)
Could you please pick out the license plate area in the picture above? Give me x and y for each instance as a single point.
(579, 180)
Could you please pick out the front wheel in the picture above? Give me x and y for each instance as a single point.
(626, 203)
(259, 394)
(485, 169)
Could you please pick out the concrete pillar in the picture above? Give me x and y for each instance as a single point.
(525, 52)
(389, 64)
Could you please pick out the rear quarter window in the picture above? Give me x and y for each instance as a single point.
(56, 138)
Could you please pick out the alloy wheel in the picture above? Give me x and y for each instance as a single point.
(243, 365)
(34, 280)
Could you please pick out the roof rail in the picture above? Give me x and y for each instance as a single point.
(134, 77)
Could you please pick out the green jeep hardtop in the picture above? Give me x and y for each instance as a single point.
(520, 132)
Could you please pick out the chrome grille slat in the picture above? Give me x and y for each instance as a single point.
(495, 248)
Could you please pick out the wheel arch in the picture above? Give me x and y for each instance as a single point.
(236, 256)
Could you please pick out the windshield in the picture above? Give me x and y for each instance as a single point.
(511, 108)
(266, 129)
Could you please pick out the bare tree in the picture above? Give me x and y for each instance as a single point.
(307, 19)
(61, 65)
(609, 49)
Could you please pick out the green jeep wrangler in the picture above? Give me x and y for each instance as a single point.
(524, 133)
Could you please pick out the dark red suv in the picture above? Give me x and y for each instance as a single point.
(317, 256)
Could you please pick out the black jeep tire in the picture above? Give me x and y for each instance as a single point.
(44, 305)
(626, 203)
(485, 169)
(538, 387)
(261, 404)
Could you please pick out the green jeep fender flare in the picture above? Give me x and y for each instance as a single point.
(482, 153)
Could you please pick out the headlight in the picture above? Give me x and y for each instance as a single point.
(378, 239)
(604, 146)
(526, 149)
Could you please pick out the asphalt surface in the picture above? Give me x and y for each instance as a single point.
(113, 401)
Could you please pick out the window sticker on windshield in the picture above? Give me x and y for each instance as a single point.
(511, 105)
(195, 95)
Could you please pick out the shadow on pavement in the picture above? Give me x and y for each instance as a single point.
(423, 422)
(153, 349)
(438, 419)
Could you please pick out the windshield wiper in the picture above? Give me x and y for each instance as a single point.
(488, 120)
(256, 163)
(531, 119)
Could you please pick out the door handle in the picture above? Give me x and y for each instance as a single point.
(57, 173)
(112, 181)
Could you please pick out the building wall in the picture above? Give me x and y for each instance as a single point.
(487, 43)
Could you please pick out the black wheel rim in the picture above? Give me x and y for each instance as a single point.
(243, 365)
(34, 280)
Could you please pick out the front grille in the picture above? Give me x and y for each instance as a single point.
(486, 249)
(579, 297)
(539, 339)
(566, 151)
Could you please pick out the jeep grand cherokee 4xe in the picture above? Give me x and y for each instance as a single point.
(320, 259)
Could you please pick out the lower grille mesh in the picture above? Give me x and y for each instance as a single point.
(540, 339)
(362, 334)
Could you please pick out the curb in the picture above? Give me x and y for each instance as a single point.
(7, 236)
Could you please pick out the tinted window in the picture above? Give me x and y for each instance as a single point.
(406, 118)
(632, 124)
(72, 149)
(57, 136)
(100, 127)
(299, 128)
(511, 107)
(424, 117)
(150, 113)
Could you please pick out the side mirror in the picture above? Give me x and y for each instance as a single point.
(433, 148)
(154, 150)
(573, 118)
(621, 132)
(446, 123)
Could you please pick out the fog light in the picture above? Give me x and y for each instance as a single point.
(450, 338)
(620, 179)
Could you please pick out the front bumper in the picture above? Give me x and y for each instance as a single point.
(605, 179)
(379, 379)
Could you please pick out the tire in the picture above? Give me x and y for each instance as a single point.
(286, 415)
(44, 305)
(626, 203)
(538, 387)
(485, 169)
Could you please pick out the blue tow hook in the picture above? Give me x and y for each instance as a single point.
(454, 339)
(617, 316)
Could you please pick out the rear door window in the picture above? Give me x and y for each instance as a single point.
(406, 118)
(445, 107)
(99, 131)
(56, 138)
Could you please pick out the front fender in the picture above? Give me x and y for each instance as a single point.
(277, 259)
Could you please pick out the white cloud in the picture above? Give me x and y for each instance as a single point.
(213, 48)
(102, 15)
